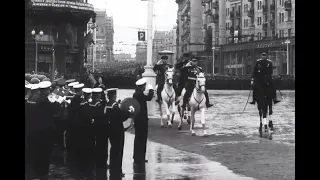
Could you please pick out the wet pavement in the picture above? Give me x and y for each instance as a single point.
(233, 141)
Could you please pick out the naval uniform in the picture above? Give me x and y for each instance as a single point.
(101, 131)
(41, 134)
(141, 126)
(183, 76)
(116, 117)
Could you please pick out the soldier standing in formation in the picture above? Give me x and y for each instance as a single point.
(116, 117)
(160, 69)
(193, 70)
(141, 122)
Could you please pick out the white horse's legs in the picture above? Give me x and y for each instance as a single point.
(203, 121)
(192, 121)
(168, 112)
(181, 117)
(161, 119)
(173, 110)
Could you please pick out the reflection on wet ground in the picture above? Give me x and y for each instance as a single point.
(164, 163)
(226, 117)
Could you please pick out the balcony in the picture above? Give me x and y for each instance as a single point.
(231, 30)
(251, 13)
(231, 15)
(264, 9)
(215, 18)
(208, 12)
(238, 14)
(288, 5)
(215, 5)
(272, 8)
(251, 1)
(272, 24)
(265, 26)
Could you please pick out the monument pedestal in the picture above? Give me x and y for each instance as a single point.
(151, 78)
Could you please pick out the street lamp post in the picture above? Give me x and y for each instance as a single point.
(287, 42)
(36, 38)
(213, 48)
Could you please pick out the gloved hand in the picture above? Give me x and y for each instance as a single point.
(131, 109)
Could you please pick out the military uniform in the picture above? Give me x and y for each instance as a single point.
(116, 117)
(160, 69)
(141, 122)
(183, 75)
(193, 71)
(41, 131)
(263, 83)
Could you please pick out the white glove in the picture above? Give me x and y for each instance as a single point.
(131, 109)
(251, 82)
(90, 100)
(92, 121)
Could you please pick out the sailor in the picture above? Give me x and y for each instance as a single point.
(116, 132)
(27, 91)
(101, 129)
(42, 134)
(141, 122)
(71, 89)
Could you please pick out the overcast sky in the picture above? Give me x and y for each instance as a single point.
(130, 15)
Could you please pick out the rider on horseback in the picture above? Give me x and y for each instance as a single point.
(262, 76)
(183, 73)
(193, 70)
(160, 69)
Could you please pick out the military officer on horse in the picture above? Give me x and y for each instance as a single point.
(160, 68)
(183, 73)
(193, 70)
(262, 78)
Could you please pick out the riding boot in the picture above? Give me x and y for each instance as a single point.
(185, 100)
(158, 94)
(275, 101)
(207, 99)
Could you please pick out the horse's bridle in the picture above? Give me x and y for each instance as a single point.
(170, 97)
(198, 90)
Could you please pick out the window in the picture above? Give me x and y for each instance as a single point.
(226, 11)
(273, 33)
(259, 21)
(266, 19)
(282, 17)
(259, 36)
(266, 34)
(289, 15)
(289, 32)
(259, 5)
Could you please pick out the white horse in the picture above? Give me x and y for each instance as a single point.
(197, 102)
(168, 98)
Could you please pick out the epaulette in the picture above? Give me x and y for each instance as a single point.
(269, 60)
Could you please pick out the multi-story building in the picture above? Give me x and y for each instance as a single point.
(141, 52)
(239, 30)
(170, 43)
(104, 38)
(63, 24)
(110, 39)
(164, 40)
(122, 57)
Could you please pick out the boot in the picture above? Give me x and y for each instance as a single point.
(253, 102)
(207, 100)
(185, 99)
(275, 101)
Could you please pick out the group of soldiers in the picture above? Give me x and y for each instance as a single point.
(81, 120)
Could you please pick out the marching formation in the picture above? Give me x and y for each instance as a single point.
(81, 120)
(81, 117)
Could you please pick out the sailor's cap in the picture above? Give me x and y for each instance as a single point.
(73, 83)
(87, 90)
(264, 53)
(70, 80)
(44, 84)
(141, 81)
(96, 90)
(34, 86)
(28, 86)
(78, 86)
(164, 57)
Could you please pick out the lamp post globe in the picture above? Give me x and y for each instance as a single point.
(41, 33)
(33, 32)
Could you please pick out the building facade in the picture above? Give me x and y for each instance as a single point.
(235, 32)
(164, 40)
(104, 39)
(63, 24)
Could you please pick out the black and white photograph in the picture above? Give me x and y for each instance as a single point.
(160, 90)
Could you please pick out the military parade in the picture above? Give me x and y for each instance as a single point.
(211, 98)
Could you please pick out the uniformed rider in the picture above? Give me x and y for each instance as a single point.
(262, 78)
(193, 70)
(183, 73)
(160, 69)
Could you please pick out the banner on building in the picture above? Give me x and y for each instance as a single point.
(63, 4)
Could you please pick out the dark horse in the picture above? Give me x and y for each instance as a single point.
(264, 96)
